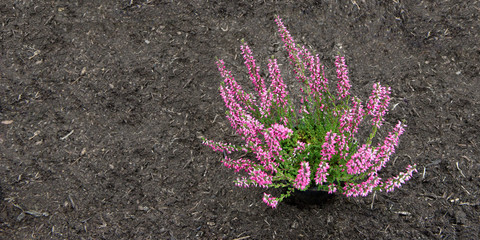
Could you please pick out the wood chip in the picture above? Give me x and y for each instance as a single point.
(402, 213)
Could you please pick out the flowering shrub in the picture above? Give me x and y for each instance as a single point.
(312, 145)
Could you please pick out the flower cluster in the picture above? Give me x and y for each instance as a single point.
(343, 85)
(303, 177)
(313, 145)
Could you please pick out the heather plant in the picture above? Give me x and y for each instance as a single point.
(311, 144)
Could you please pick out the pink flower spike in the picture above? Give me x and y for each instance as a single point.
(294, 53)
(269, 200)
(266, 97)
(261, 178)
(363, 188)
(378, 103)
(388, 147)
(332, 188)
(395, 182)
(239, 164)
(351, 118)
(232, 91)
(343, 85)
(219, 146)
(278, 87)
(242, 182)
(362, 160)
(328, 147)
(273, 136)
(322, 173)
(253, 69)
(303, 177)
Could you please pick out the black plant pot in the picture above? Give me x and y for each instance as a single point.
(312, 196)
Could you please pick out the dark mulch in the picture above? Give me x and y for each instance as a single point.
(102, 105)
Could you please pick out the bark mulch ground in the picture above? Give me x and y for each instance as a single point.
(103, 103)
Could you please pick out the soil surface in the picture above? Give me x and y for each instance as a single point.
(103, 103)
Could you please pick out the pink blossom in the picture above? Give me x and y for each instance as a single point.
(328, 147)
(342, 145)
(363, 188)
(293, 51)
(332, 188)
(351, 118)
(253, 69)
(378, 103)
(242, 121)
(261, 178)
(300, 147)
(277, 86)
(222, 147)
(318, 83)
(395, 182)
(303, 177)
(242, 182)
(234, 89)
(266, 97)
(362, 160)
(269, 200)
(343, 85)
(303, 110)
(239, 164)
(322, 173)
(274, 135)
(388, 147)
